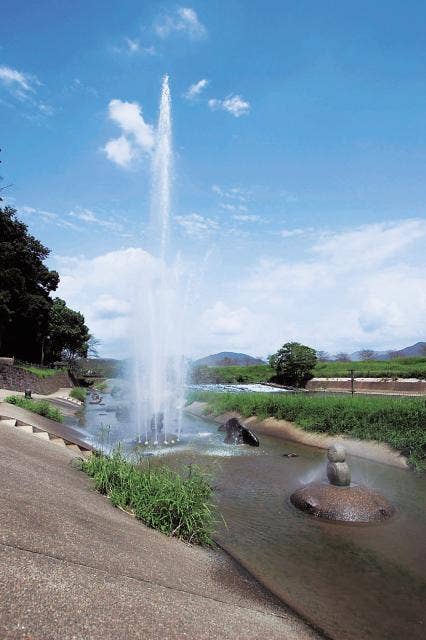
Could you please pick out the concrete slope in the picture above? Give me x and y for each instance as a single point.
(72, 566)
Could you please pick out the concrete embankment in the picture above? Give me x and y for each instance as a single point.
(18, 379)
(391, 386)
(371, 450)
(73, 566)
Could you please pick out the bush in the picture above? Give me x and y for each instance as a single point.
(41, 407)
(294, 363)
(400, 422)
(79, 393)
(163, 499)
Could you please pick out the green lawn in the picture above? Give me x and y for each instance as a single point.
(400, 422)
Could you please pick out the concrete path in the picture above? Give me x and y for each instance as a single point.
(60, 398)
(73, 567)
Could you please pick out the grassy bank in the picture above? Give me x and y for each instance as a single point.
(79, 393)
(399, 422)
(397, 368)
(163, 499)
(40, 372)
(41, 407)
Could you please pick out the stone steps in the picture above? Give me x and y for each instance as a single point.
(44, 435)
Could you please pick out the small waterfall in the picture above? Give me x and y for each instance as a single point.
(159, 372)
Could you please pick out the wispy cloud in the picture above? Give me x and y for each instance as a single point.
(19, 83)
(48, 217)
(90, 217)
(23, 87)
(133, 46)
(246, 217)
(184, 20)
(233, 104)
(292, 233)
(138, 136)
(195, 89)
(197, 226)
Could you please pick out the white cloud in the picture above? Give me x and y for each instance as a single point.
(292, 233)
(355, 288)
(120, 151)
(133, 46)
(23, 87)
(138, 136)
(246, 217)
(233, 104)
(17, 81)
(320, 299)
(90, 217)
(195, 89)
(103, 289)
(48, 217)
(183, 20)
(197, 226)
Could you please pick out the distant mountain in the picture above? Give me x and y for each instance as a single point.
(228, 359)
(418, 349)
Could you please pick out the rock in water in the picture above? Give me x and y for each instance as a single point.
(236, 433)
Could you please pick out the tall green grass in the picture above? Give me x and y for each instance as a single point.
(41, 407)
(79, 393)
(40, 372)
(400, 422)
(175, 504)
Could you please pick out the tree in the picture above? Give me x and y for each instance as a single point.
(68, 335)
(342, 357)
(367, 354)
(294, 363)
(323, 356)
(92, 347)
(25, 285)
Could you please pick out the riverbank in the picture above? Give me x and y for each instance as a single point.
(288, 430)
(62, 544)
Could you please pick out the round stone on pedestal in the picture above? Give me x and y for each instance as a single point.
(338, 473)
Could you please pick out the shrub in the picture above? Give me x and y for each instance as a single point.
(175, 504)
(79, 393)
(41, 407)
(294, 363)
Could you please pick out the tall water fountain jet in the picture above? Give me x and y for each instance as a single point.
(158, 368)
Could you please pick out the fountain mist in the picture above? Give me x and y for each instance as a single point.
(158, 366)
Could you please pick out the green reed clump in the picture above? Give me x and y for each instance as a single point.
(79, 393)
(176, 504)
(42, 407)
(399, 422)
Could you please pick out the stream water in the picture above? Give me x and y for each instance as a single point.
(352, 581)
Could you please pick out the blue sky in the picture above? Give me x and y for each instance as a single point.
(300, 145)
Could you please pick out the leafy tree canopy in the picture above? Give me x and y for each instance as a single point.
(68, 335)
(294, 363)
(25, 285)
(27, 313)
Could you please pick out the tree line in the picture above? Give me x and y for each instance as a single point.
(34, 326)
